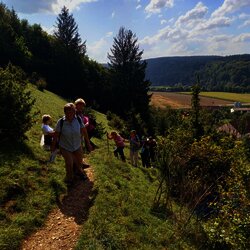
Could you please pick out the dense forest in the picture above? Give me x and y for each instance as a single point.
(217, 73)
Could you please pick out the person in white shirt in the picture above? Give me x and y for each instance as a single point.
(48, 132)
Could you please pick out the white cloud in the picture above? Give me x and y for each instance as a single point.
(49, 30)
(163, 21)
(46, 6)
(244, 37)
(138, 7)
(212, 23)
(245, 24)
(167, 33)
(244, 16)
(198, 12)
(155, 6)
(113, 14)
(70, 4)
(230, 6)
(109, 34)
(98, 50)
(220, 38)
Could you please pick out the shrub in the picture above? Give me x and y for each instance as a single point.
(15, 104)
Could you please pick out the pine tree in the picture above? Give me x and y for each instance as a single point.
(67, 32)
(128, 76)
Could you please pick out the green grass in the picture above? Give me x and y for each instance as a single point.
(29, 187)
(235, 97)
(120, 217)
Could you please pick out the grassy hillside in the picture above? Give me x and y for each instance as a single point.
(28, 186)
(121, 216)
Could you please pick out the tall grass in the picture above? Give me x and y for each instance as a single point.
(121, 216)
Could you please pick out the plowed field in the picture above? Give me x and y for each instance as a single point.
(177, 100)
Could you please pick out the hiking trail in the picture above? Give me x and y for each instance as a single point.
(64, 224)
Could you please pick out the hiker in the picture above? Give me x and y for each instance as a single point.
(48, 132)
(87, 121)
(134, 147)
(152, 148)
(119, 142)
(145, 156)
(69, 131)
(48, 137)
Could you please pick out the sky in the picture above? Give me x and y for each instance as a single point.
(162, 27)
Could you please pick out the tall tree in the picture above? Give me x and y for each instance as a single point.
(67, 32)
(127, 71)
(70, 51)
(196, 120)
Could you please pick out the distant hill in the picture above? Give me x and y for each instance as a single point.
(173, 70)
(170, 71)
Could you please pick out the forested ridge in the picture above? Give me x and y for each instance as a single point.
(217, 73)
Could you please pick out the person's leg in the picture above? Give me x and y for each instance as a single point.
(78, 157)
(143, 160)
(136, 158)
(69, 161)
(116, 152)
(121, 153)
(132, 157)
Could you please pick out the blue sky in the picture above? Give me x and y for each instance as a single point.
(163, 27)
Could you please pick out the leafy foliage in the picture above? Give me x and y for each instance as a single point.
(15, 104)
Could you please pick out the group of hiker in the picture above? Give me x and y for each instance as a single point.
(67, 138)
(146, 147)
(75, 129)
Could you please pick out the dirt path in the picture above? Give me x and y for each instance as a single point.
(64, 224)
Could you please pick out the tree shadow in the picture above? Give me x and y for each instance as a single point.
(77, 201)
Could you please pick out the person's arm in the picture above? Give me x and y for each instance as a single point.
(86, 121)
(109, 136)
(84, 133)
(54, 141)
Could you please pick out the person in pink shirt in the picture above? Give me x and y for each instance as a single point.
(119, 142)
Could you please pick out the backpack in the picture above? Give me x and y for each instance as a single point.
(79, 119)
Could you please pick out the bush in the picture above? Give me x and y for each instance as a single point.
(116, 122)
(210, 177)
(15, 104)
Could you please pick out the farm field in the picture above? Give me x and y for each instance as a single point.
(244, 98)
(181, 100)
